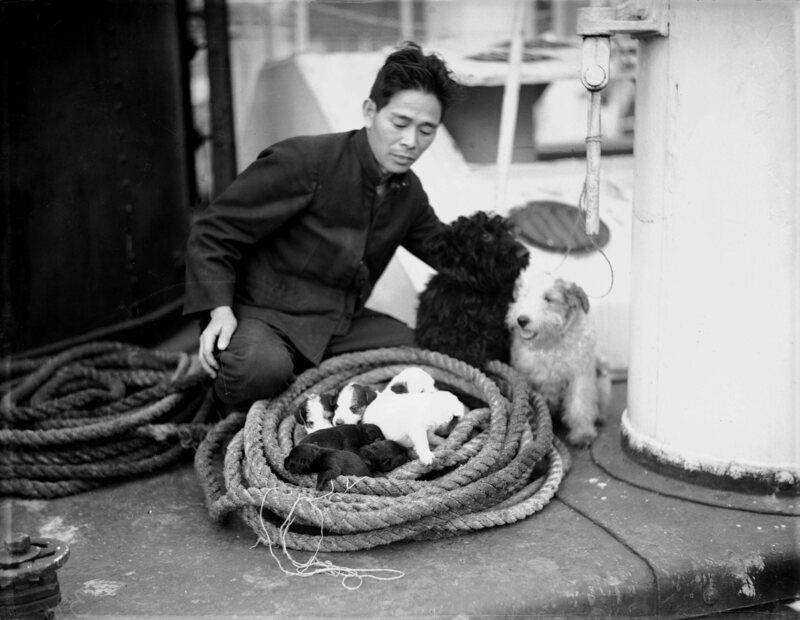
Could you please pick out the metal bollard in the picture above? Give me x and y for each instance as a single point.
(29, 587)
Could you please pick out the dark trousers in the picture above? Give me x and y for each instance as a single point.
(260, 362)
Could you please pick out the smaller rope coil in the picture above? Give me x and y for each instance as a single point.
(499, 464)
(94, 414)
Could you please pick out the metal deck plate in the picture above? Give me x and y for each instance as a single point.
(556, 226)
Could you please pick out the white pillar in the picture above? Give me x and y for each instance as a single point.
(714, 376)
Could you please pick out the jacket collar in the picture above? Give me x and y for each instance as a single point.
(370, 165)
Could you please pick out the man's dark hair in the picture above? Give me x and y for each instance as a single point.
(409, 69)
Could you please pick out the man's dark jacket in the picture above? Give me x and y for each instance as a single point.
(301, 236)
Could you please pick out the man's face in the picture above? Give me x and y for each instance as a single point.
(403, 129)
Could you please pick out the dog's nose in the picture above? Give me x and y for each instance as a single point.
(339, 422)
(523, 320)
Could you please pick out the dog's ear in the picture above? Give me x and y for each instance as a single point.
(400, 388)
(576, 296)
(439, 244)
(370, 394)
(439, 241)
(328, 403)
(371, 433)
(367, 454)
(300, 412)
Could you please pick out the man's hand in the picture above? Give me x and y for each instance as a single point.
(216, 334)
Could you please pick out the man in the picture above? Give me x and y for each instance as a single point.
(280, 265)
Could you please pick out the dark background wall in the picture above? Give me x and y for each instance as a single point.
(96, 180)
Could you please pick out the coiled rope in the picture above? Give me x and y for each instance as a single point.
(499, 464)
(94, 414)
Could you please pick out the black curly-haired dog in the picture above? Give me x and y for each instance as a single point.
(462, 310)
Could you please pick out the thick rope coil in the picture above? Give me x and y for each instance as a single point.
(499, 464)
(95, 414)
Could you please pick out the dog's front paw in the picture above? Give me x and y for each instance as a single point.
(425, 457)
(582, 437)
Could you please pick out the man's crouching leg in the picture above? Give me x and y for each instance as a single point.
(258, 363)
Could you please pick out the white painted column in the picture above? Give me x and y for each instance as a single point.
(714, 376)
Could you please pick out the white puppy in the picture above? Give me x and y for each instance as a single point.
(553, 344)
(354, 397)
(412, 419)
(411, 380)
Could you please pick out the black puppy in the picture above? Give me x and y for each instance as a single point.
(349, 437)
(462, 311)
(308, 458)
(384, 455)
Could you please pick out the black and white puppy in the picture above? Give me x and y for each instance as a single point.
(316, 411)
(384, 455)
(351, 403)
(327, 463)
(348, 437)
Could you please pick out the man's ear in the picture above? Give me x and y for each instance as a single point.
(369, 109)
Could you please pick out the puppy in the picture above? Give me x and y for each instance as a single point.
(308, 458)
(462, 310)
(384, 455)
(411, 380)
(553, 345)
(316, 412)
(351, 403)
(348, 437)
(412, 419)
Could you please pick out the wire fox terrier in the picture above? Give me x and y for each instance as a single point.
(553, 344)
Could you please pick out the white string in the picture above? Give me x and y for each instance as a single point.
(314, 566)
(595, 245)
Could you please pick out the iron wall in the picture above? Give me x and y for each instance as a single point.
(96, 172)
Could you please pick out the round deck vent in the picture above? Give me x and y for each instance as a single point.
(556, 226)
